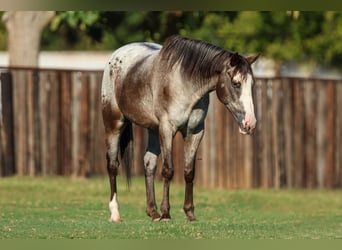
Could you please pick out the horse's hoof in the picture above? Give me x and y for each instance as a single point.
(155, 219)
(192, 218)
(115, 220)
(165, 218)
(155, 216)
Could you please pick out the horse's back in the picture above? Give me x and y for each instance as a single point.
(127, 56)
(121, 61)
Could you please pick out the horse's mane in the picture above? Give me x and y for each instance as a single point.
(198, 59)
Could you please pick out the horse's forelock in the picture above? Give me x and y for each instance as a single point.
(240, 66)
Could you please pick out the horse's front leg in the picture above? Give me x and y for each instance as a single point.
(165, 138)
(191, 143)
(150, 164)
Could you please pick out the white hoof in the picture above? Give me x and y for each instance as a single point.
(115, 219)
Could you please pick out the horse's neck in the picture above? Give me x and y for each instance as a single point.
(203, 88)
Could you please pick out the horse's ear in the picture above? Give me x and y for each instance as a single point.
(235, 59)
(252, 59)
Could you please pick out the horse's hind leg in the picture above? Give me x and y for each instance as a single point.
(113, 124)
(112, 168)
(150, 164)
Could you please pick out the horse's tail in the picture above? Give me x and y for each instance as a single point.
(126, 150)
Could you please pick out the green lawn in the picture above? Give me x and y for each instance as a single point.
(58, 207)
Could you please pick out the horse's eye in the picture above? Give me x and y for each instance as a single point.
(236, 84)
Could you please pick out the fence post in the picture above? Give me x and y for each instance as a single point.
(7, 159)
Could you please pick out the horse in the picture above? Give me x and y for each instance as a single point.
(165, 89)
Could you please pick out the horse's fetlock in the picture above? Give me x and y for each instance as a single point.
(189, 208)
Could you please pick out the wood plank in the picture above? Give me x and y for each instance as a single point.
(266, 142)
(211, 147)
(298, 129)
(229, 123)
(281, 149)
(178, 158)
(20, 121)
(338, 136)
(330, 134)
(96, 133)
(275, 133)
(220, 144)
(36, 123)
(320, 134)
(310, 111)
(30, 127)
(240, 159)
(7, 153)
(140, 146)
(199, 178)
(234, 153)
(76, 85)
(100, 150)
(247, 181)
(288, 132)
(257, 135)
(64, 147)
(53, 97)
(43, 88)
(84, 151)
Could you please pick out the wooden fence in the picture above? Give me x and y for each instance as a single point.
(51, 124)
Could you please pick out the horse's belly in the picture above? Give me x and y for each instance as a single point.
(139, 113)
(136, 104)
(145, 122)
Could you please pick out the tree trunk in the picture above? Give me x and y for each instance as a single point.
(24, 32)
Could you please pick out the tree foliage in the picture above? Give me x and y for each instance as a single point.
(280, 35)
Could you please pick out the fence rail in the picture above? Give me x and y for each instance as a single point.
(51, 124)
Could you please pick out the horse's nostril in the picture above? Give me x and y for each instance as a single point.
(244, 124)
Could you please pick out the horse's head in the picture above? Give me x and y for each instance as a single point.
(234, 90)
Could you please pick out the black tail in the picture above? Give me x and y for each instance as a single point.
(126, 150)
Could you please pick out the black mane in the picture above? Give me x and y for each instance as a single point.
(198, 59)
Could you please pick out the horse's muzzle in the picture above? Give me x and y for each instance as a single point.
(247, 124)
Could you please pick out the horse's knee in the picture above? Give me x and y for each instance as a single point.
(189, 175)
(167, 173)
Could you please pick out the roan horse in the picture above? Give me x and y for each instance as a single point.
(166, 89)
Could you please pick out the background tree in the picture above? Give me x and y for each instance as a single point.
(280, 35)
(24, 32)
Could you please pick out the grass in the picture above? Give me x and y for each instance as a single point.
(64, 208)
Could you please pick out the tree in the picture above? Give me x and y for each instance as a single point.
(24, 32)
